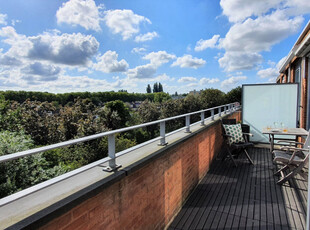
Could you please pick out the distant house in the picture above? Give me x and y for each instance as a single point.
(194, 92)
(295, 69)
(135, 104)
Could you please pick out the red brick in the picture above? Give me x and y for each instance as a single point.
(151, 196)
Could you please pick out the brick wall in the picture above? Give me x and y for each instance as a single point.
(151, 196)
(304, 94)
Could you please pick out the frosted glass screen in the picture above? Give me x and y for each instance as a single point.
(265, 104)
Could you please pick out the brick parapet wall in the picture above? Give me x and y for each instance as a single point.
(149, 197)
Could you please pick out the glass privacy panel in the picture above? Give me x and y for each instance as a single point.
(265, 104)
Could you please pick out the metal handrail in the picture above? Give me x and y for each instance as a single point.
(111, 135)
(111, 159)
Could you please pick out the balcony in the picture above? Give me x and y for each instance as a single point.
(246, 197)
(180, 185)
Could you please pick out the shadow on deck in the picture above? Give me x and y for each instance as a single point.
(246, 197)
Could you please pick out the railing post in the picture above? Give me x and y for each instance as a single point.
(212, 114)
(225, 109)
(162, 141)
(220, 113)
(111, 153)
(202, 115)
(187, 123)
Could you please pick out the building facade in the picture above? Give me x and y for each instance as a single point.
(295, 69)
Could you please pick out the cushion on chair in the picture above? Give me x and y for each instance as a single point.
(235, 132)
(284, 157)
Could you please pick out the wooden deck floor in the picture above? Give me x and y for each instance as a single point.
(246, 197)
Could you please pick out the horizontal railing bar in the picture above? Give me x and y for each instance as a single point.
(72, 173)
(50, 182)
(95, 136)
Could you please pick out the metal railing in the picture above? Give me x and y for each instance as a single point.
(111, 159)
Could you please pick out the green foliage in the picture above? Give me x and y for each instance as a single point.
(234, 95)
(160, 87)
(97, 98)
(121, 143)
(10, 115)
(211, 97)
(157, 88)
(160, 97)
(115, 110)
(24, 172)
(148, 89)
(51, 118)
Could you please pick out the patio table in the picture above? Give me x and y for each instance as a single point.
(298, 132)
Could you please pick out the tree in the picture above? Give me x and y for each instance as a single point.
(211, 97)
(234, 95)
(160, 87)
(155, 88)
(22, 173)
(114, 114)
(148, 89)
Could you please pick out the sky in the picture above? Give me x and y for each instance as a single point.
(109, 45)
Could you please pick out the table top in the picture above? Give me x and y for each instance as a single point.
(290, 131)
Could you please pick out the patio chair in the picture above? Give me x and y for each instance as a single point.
(236, 140)
(294, 159)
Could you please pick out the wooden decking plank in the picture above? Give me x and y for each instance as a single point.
(242, 223)
(204, 185)
(223, 188)
(206, 202)
(188, 215)
(246, 197)
(204, 215)
(229, 221)
(294, 207)
(222, 222)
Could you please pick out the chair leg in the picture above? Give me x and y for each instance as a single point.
(291, 174)
(281, 170)
(248, 156)
(231, 156)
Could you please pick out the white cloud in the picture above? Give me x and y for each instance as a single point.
(68, 49)
(192, 85)
(246, 39)
(237, 11)
(187, 79)
(8, 60)
(232, 61)
(142, 71)
(108, 63)
(232, 81)
(205, 81)
(256, 35)
(146, 37)
(3, 18)
(297, 7)
(159, 78)
(124, 22)
(204, 44)
(38, 68)
(14, 21)
(138, 50)
(163, 77)
(159, 58)
(280, 63)
(268, 73)
(273, 72)
(79, 12)
(187, 61)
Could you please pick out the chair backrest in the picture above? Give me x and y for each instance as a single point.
(229, 121)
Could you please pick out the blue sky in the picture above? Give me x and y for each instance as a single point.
(87, 45)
